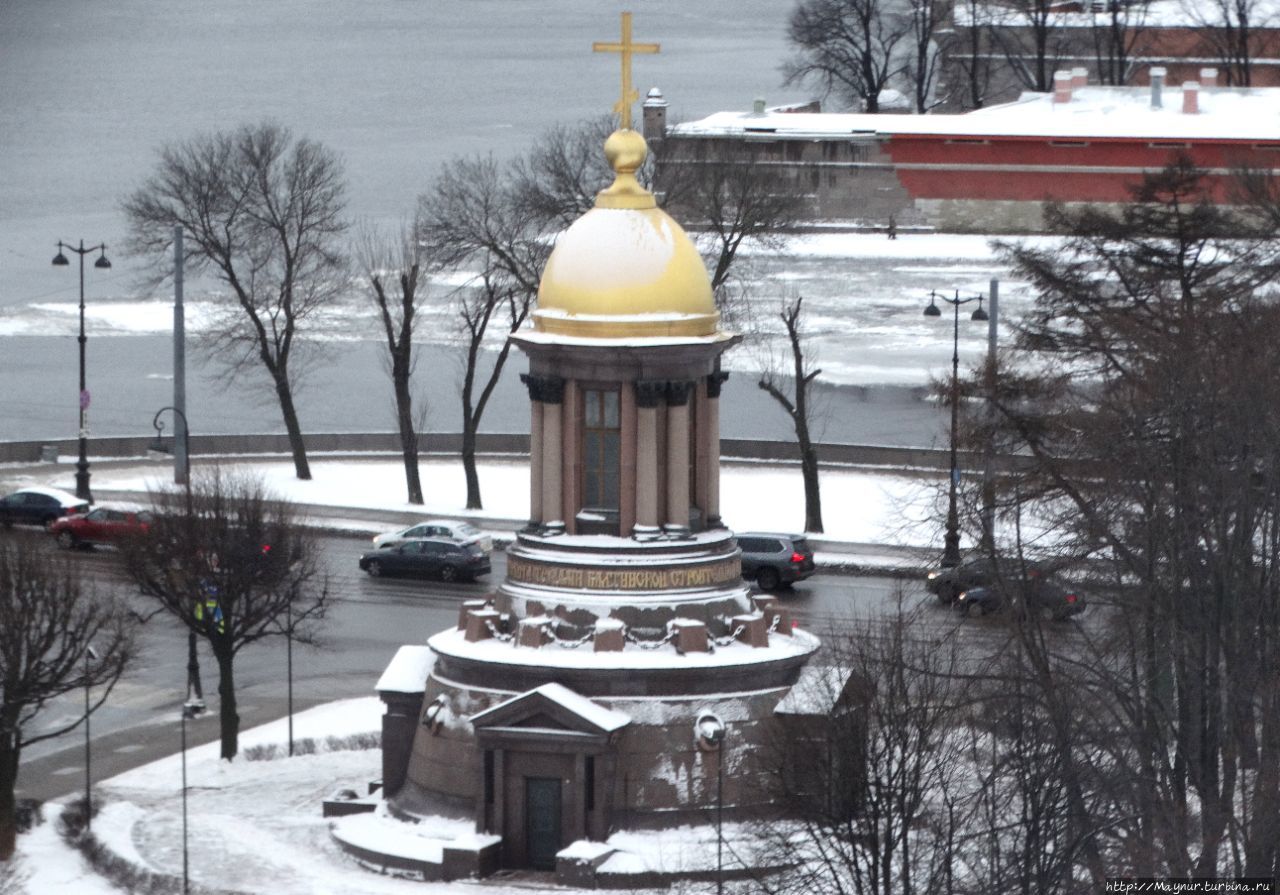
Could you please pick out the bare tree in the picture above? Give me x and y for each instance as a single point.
(968, 52)
(232, 563)
(55, 639)
(734, 195)
(1233, 29)
(395, 277)
(263, 212)
(926, 18)
(799, 405)
(1030, 37)
(848, 47)
(473, 217)
(1118, 34)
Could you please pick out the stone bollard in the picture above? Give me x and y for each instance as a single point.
(691, 636)
(532, 632)
(755, 630)
(478, 621)
(467, 607)
(609, 635)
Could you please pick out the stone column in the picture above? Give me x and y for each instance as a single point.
(552, 388)
(712, 509)
(648, 395)
(678, 457)
(533, 383)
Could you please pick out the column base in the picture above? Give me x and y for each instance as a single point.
(554, 527)
(675, 530)
(645, 532)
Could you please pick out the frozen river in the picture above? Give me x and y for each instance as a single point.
(92, 89)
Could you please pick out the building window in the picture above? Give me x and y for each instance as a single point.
(601, 450)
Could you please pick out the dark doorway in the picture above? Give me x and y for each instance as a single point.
(542, 821)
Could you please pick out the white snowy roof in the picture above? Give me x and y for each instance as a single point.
(815, 692)
(606, 719)
(1233, 113)
(407, 672)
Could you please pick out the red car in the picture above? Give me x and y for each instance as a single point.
(103, 525)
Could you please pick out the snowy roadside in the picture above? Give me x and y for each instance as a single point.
(874, 518)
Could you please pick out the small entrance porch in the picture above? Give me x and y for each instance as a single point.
(548, 754)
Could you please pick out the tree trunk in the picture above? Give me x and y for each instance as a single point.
(296, 445)
(408, 439)
(9, 753)
(812, 495)
(228, 719)
(469, 464)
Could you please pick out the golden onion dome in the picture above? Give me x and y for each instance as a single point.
(625, 268)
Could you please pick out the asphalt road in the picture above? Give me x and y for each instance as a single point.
(368, 620)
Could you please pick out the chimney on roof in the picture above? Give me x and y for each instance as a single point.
(1062, 82)
(757, 107)
(1157, 86)
(1190, 97)
(1079, 77)
(1208, 77)
(655, 116)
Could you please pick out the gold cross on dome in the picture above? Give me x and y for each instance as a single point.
(625, 48)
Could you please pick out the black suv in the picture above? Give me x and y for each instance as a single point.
(774, 560)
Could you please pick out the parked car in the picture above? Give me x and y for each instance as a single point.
(1043, 597)
(428, 557)
(39, 506)
(775, 560)
(462, 532)
(948, 583)
(101, 525)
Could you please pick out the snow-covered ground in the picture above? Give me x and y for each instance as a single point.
(863, 506)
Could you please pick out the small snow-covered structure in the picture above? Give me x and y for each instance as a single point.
(564, 708)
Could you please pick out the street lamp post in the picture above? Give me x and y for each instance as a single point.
(60, 260)
(187, 712)
(951, 540)
(182, 465)
(711, 733)
(89, 653)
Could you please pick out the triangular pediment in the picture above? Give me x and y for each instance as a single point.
(551, 707)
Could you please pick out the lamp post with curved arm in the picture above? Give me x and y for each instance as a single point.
(195, 692)
(60, 260)
(181, 465)
(951, 540)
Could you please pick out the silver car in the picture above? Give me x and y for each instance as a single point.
(462, 532)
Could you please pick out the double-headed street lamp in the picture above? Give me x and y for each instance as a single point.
(60, 260)
(951, 541)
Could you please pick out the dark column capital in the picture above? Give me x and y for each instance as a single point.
(547, 389)
(678, 392)
(714, 382)
(649, 393)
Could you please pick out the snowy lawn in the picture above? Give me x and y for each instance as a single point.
(256, 827)
(859, 505)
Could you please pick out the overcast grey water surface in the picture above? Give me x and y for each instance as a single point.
(90, 90)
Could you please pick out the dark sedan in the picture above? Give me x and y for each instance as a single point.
(983, 571)
(428, 558)
(1045, 598)
(39, 506)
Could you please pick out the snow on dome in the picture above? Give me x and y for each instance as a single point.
(626, 271)
(625, 268)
